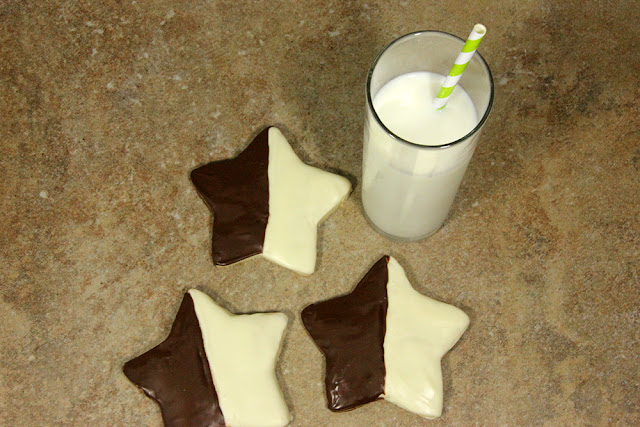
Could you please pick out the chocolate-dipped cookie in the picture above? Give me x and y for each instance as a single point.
(267, 201)
(215, 368)
(384, 340)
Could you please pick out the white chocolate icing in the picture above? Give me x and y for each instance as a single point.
(420, 330)
(300, 197)
(242, 351)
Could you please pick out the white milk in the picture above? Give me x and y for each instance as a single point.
(407, 191)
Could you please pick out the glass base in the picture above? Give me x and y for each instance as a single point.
(397, 238)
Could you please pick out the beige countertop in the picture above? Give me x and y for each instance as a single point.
(107, 106)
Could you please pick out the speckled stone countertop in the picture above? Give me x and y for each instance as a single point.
(107, 106)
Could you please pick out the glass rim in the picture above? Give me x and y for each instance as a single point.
(413, 144)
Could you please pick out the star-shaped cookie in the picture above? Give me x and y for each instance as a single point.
(385, 339)
(267, 201)
(215, 368)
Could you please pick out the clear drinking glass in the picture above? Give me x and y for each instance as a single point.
(407, 188)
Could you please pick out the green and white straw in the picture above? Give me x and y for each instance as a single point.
(459, 66)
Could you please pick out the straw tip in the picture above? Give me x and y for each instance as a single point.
(480, 29)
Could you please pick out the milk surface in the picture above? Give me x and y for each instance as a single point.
(407, 190)
(405, 107)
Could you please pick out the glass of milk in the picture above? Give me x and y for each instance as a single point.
(415, 156)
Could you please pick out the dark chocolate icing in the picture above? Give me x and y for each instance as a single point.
(176, 374)
(237, 192)
(350, 331)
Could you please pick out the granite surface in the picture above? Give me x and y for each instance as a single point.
(107, 106)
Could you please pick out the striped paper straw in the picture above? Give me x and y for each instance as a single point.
(459, 66)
